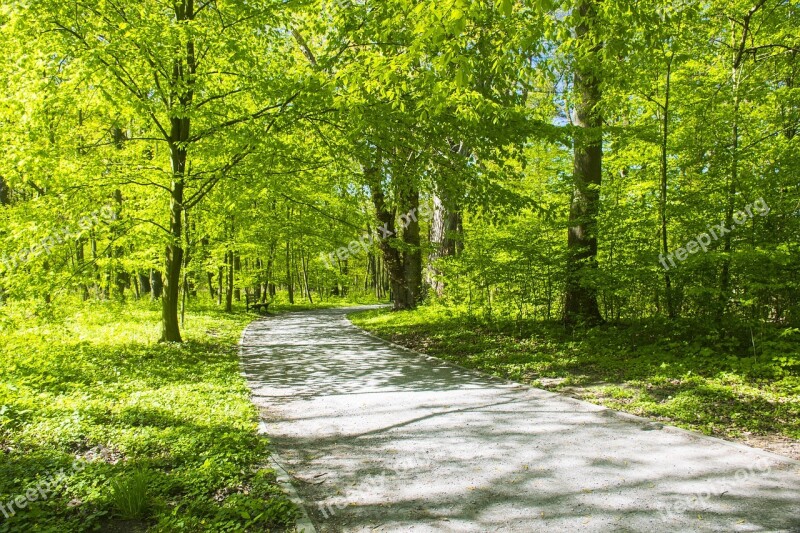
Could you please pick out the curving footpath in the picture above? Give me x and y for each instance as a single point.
(377, 438)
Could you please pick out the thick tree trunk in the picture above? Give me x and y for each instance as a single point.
(392, 257)
(445, 225)
(580, 303)
(412, 257)
(156, 284)
(5, 192)
(182, 82)
(170, 328)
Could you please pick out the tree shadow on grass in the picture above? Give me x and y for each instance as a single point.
(681, 371)
(178, 411)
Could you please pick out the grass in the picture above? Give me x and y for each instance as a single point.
(113, 426)
(130, 495)
(732, 382)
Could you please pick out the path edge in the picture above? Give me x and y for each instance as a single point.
(303, 523)
(619, 414)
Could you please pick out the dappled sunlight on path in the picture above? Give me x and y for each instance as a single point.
(381, 439)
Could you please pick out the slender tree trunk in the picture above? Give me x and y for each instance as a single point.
(220, 281)
(80, 256)
(211, 292)
(304, 262)
(231, 282)
(581, 295)
(237, 267)
(664, 176)
(289, 280)
(98, 288)
(270, 292)
(739, 47)
(725, 274)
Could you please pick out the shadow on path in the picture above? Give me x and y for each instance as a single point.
(380, 439)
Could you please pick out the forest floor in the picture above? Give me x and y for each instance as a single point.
(124, 434)
(733, 382)
(378, 438)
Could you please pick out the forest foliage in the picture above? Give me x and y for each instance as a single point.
(564, 154)
(597, 190)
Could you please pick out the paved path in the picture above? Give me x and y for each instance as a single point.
(377, 438)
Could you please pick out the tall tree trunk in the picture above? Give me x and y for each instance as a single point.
(580, 304)
(304, 262)
(184, 69)
(271, 290)
(170, 328)
(392, 257)
(664, 176)
(446, 228)
(98, 288)
(412, 257)
(445, 225)
(220, 281)
(739, 47)
(231, 281)
(5, 199)
(258, 286)
(211, 292)
(289, 280)
(237, 267)
(80, 257)
(121, 277)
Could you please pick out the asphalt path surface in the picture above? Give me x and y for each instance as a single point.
(378, 438)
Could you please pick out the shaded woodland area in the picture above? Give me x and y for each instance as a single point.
(559, 150)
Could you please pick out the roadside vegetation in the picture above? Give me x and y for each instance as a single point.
(147, 435)
(731, 381)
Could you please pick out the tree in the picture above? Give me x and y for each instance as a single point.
(581, 296)
(191, 76)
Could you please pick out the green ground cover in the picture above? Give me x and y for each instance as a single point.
(733, 381)
(148, 435)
